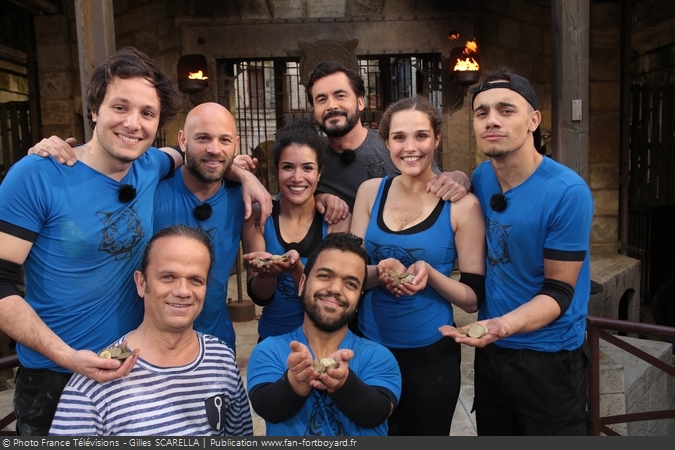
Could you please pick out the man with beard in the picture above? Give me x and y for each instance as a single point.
(355, 153)
(321, 379)
(197, 195)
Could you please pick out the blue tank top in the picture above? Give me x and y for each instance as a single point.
(285, 313)
(408, 322)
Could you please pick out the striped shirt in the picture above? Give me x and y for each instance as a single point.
(161, 401)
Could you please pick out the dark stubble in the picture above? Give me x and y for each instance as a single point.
(193, 166)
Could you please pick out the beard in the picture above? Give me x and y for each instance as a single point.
(205, 176)
(495, 152)
(339, 130)
(326, 324)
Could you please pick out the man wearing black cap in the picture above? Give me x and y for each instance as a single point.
(530, 369)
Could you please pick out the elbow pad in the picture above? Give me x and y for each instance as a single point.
(559, 291)
(477, 285)
(8, 273)
(366, 406)
(257, 300)
(276, 402)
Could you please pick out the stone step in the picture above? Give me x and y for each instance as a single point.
(7, 406)
(630, 385)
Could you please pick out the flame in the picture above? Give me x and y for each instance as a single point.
(453, 36)
(197, 76)
(469, 63)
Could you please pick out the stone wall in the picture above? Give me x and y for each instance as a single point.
(604, 142)
(618, 277)
(59, 76)
(517, 35)
(151, 26)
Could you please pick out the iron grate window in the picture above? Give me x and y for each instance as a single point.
(264, 95)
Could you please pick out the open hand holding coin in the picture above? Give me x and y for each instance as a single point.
(118, 352)
(475, 330)
(266, 261)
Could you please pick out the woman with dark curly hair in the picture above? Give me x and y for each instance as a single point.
(294, 229)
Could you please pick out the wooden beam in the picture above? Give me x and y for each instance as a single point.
(570, 83)
(36, 6)
(626, 52)
(95, 42)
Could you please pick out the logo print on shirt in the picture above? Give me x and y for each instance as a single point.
(286, 287)
(324, 415)
(211, 233)
(406, 256)
(216, 411)
(376, 170)
(122, 231)
(497, 242)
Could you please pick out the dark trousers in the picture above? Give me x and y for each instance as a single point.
(430, 389)
(530, 393)
(36, 397)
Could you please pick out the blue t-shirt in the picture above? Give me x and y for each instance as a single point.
(285, 312)
(175, 204)
(79, 272)
(408, 321)
(319, 416)
(552, 209)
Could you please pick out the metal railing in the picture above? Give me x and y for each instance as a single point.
(597, 329)
(8, 362)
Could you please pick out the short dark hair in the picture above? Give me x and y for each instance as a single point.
(197, 234)
(126, 63)
(329, 68)
(301, 132)
(345, 242)
(416, 103)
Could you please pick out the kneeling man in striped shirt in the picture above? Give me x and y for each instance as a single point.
(184, 382)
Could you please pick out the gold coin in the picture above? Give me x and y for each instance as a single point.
(476, 330)
(320, 368)
(323, 364)
(105, 354)
(394, 274)
(124, 355)
(407, 278)
(330, 363)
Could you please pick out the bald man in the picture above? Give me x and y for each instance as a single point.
(199, 196)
